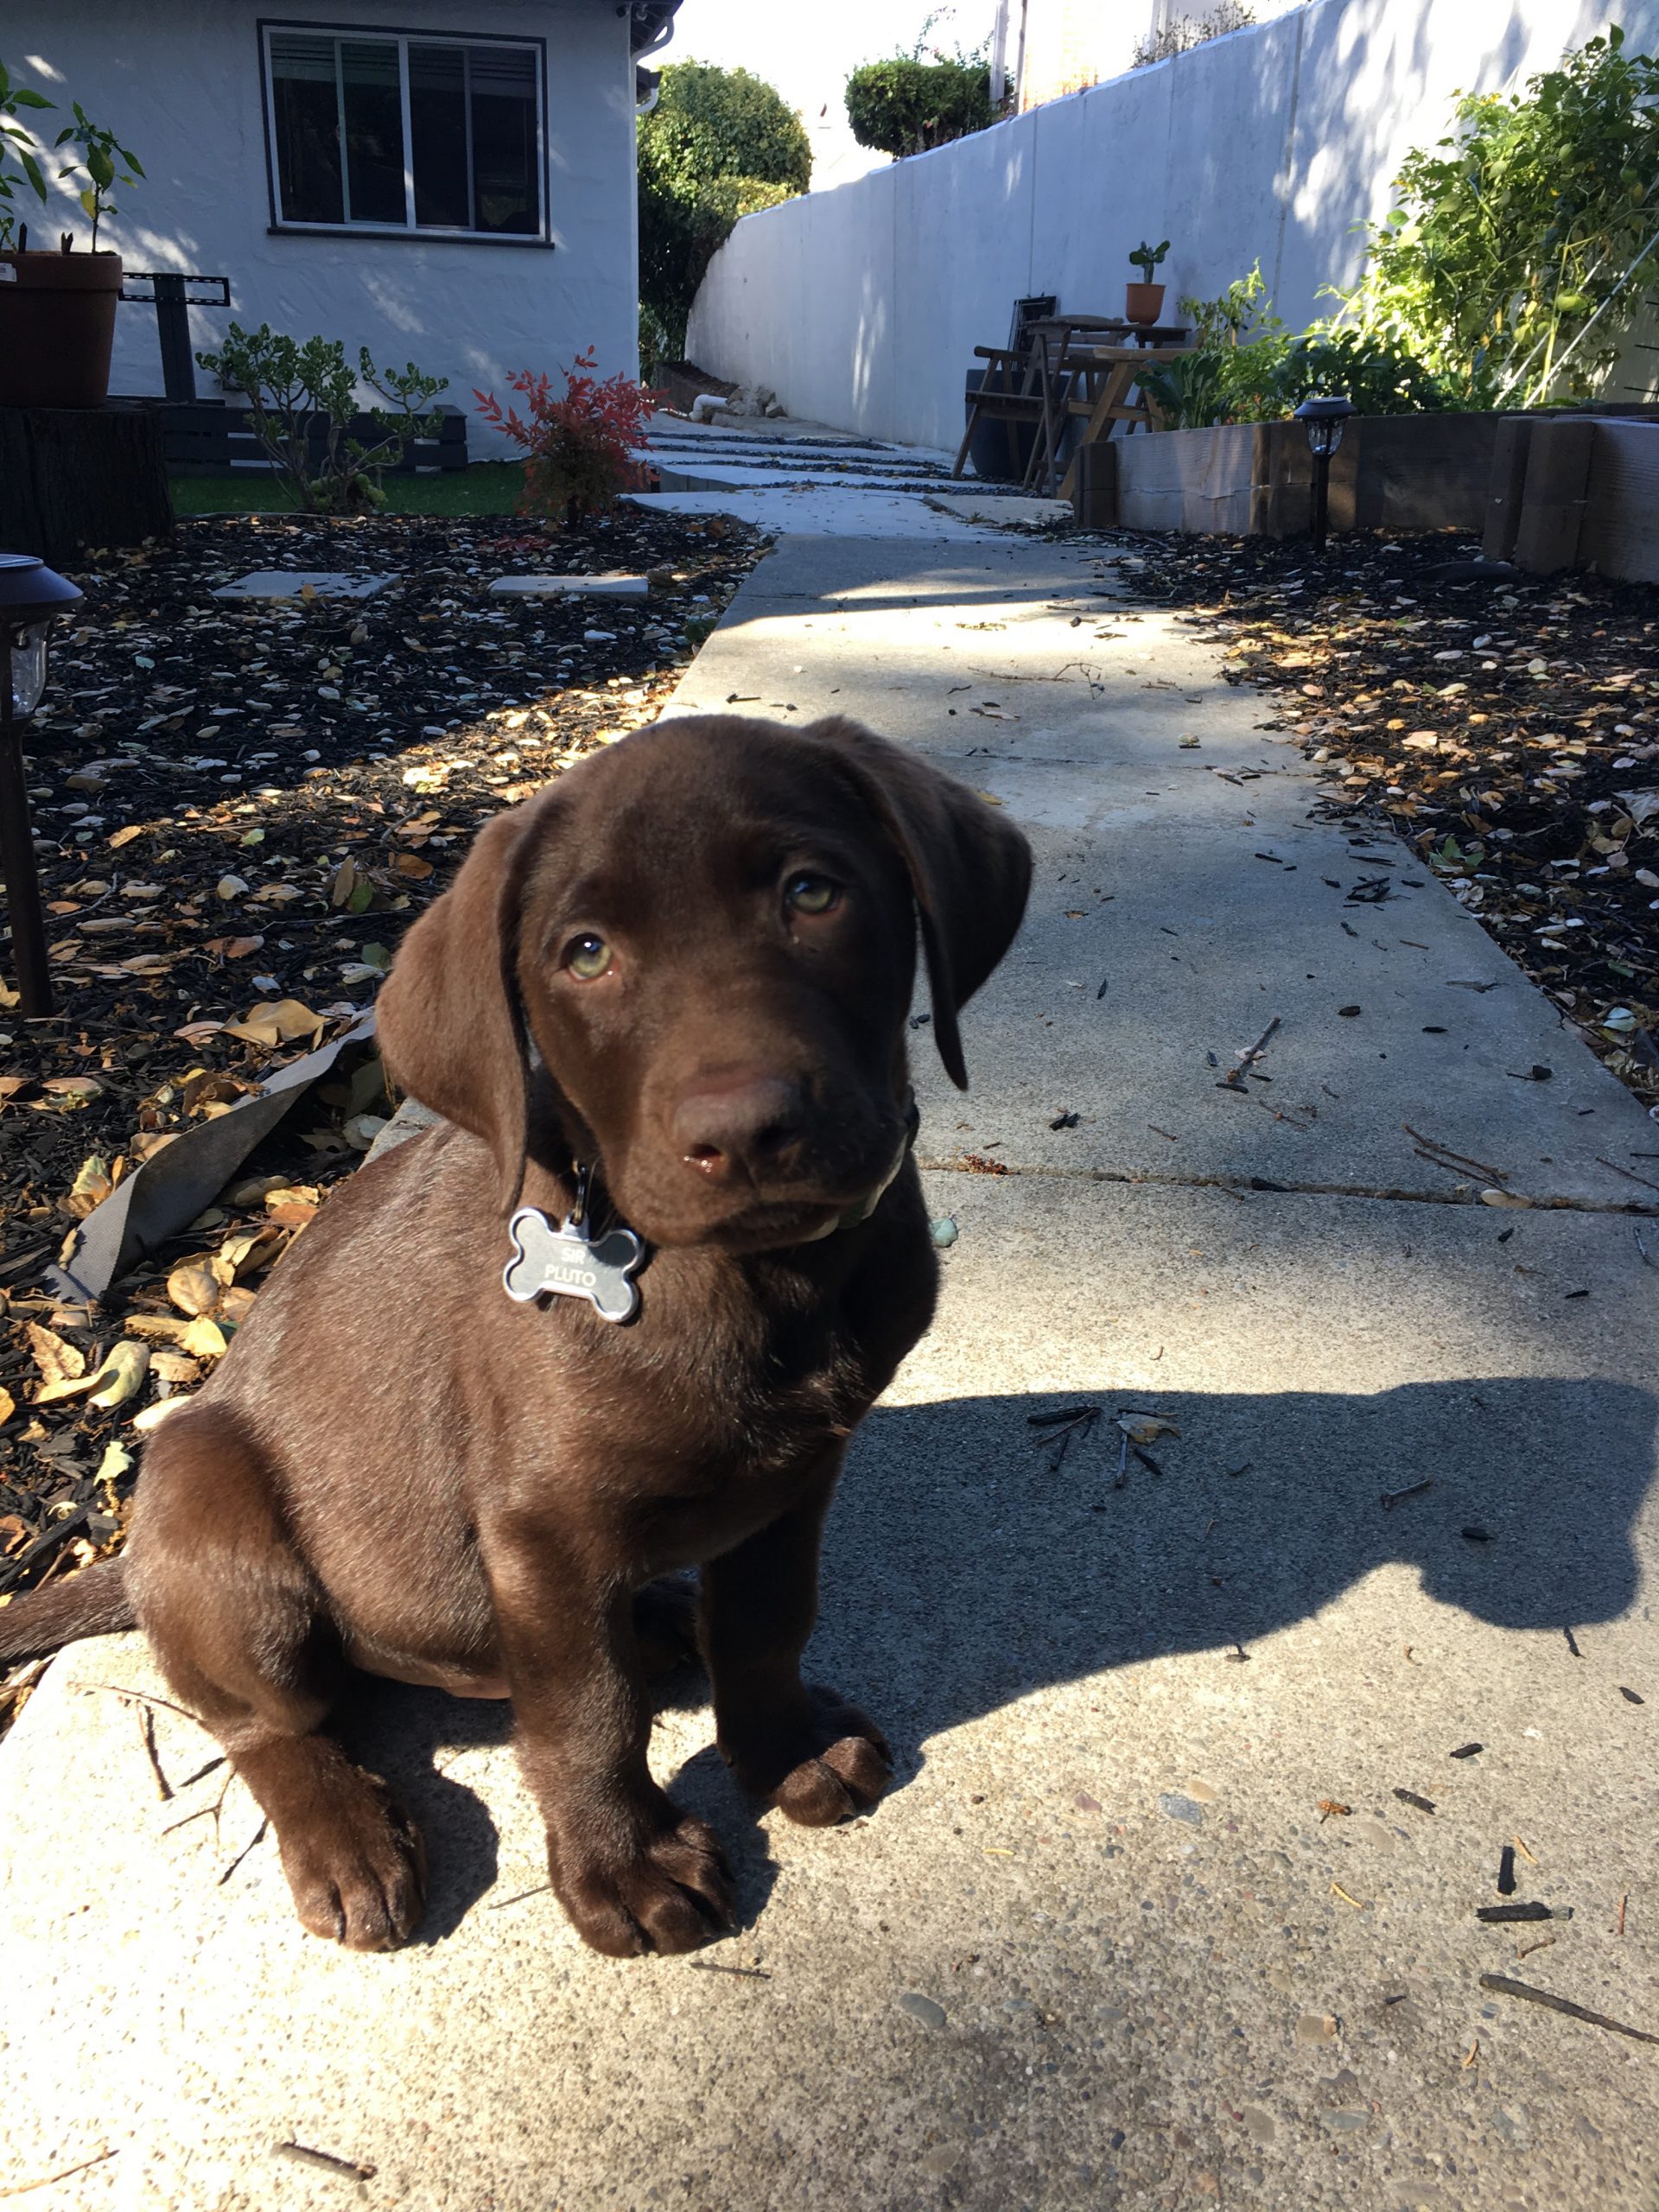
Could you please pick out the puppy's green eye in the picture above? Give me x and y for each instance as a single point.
(812, 894)
(587, 957)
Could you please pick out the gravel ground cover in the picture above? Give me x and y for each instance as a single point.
(240, 806)
(1507, 725)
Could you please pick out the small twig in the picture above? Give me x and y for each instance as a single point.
(302, 2155)
(1629, 1175)
(1392, 1498)
(147, 1730)
(1123, 1475)
(1234, 1080)
(22, 2188)
(1618, 1925)
(1648, 1260)
(710, 1966)
(1462, 1158)
(143, 1698)
(259, 1836)
(540, 1889)
(1501, 1985)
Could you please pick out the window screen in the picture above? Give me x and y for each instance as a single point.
(403, 133)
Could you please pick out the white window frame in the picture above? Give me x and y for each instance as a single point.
(360, 226)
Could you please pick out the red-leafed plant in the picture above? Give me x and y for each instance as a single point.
(578, 449)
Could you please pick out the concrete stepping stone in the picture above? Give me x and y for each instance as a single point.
(288, 583)
(544, 586)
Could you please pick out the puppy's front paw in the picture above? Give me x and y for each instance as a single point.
(819, 1766)
(669, 1890)
(357, 1866)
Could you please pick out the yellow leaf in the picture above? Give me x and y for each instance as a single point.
(122, 1375)
(203, 1339)
(126, 836)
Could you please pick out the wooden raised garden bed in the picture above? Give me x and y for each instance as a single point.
(1391, 472)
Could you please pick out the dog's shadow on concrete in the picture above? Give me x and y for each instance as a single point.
(976, 1554)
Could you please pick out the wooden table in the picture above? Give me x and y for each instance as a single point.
(1037, 383)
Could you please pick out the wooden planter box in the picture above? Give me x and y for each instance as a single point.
(1391, 472)
(73, 478)
(211, 437)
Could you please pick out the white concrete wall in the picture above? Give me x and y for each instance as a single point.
(178, 81)
(861, 307)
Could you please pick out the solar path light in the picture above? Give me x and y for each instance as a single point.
(1324, 420)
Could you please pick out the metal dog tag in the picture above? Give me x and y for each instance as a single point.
(572, 1264)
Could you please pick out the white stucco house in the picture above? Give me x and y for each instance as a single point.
(449, 182)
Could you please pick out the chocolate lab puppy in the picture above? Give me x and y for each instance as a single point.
(668, 996)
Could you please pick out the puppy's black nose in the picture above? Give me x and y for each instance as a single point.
(743, 1128)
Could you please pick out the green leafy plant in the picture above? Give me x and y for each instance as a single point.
(105, 162)
(14, 146)
(1516, 257)
(301, 402)
(907, 105)
(1246, 367)
(719, 144)
(578, 448)
(1147, 259)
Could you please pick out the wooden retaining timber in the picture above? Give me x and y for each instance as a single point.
(1577, 493)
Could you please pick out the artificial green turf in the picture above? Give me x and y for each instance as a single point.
(486, 487)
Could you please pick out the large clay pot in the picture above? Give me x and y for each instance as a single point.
(1143, 303)
(57, 327)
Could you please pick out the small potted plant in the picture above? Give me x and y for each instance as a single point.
(57, 310)
(1144, 303)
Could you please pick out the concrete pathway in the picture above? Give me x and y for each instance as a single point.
(801, 477)
(1147, 1921)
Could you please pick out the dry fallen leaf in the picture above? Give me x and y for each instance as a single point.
(58, 1362)
(175, 1367)
(193, 1286)
(153, 1416)
(234, 1306)
(275, 1021)
(122, 1375)
(90, 1188)
(7, 1406)
(1146, 1429)
(203, 1339)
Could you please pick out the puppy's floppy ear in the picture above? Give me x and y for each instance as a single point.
(970, 867)
(451, 1022)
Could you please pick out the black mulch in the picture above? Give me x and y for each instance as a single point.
(1507, 725)
(244, 802)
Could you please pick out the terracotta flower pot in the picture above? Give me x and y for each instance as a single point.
(57, 326)
(1143, 303)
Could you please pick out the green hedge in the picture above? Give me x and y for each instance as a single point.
(905, 107)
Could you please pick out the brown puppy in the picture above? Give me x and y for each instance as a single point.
(686, 967)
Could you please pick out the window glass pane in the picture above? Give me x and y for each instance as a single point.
(505, 188)
(374, 130)
(305, 106)
(437, 122)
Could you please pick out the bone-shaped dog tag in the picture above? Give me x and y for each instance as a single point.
(572, 1264)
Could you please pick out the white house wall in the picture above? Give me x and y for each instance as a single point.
(861, 307)
(178, 81)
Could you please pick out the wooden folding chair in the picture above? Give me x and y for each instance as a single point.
(1011, 393)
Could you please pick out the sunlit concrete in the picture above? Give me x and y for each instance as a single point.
(1145, 1921)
